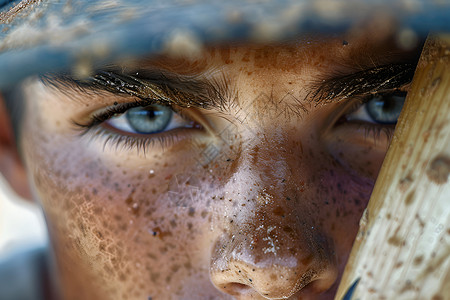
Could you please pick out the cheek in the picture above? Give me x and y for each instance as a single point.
(123, 227)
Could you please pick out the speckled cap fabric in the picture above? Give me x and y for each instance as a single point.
(39, 36)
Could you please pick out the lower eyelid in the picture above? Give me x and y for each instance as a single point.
(112, 139)
(362, 133)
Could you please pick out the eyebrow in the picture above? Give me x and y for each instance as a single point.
(386, 78)
(155, 84)
(201, 92)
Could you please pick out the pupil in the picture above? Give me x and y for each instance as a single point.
(385, 109)
(152, 114)
(388, 105)
(150, 119)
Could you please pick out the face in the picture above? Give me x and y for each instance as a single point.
(242, 172)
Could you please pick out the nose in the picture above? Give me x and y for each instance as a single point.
(249, 266)
(273, 248)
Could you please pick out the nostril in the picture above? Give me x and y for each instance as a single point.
(235, 288)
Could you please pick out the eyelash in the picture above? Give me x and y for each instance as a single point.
(116, 109)
(144, 142)
(131, 141)
(371, 130)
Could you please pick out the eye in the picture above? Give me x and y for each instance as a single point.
(143, 124)
(379, 109)
(361, 134)
(149, 119)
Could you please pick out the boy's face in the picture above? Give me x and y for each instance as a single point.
(250, 184)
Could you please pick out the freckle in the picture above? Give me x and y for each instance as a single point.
(175, 268)
(188, 265)
(101, 246)
(123, 226)
(278, 211)
(154, 277)
(287, 229)
(99, 234)
(122, 277)
(246, 57)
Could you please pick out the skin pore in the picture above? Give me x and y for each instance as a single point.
(256, 192)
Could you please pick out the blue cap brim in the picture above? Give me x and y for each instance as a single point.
(51, 36)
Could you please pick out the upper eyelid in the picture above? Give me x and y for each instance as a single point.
(117, 108)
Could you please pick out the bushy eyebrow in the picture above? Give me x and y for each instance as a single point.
(371, 81)
(218, 93)
(157, 85)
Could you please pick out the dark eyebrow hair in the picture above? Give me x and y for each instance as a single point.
(201, 92)
(157, 85)
(376, 80)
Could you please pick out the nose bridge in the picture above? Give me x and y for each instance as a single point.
(270, 245)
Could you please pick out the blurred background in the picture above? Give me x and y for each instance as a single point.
(22, 225)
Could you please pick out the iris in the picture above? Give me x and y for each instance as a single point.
(385, 109)
(150, 119)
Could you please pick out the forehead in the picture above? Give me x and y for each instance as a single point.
(364, 47)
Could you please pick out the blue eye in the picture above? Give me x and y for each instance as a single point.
(385, 109)
(380, 109)
(149, 119)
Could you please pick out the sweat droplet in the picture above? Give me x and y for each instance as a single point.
(152, 171)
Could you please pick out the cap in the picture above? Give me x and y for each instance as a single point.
(39, 36)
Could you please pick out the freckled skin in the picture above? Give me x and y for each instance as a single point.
(273, 215)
